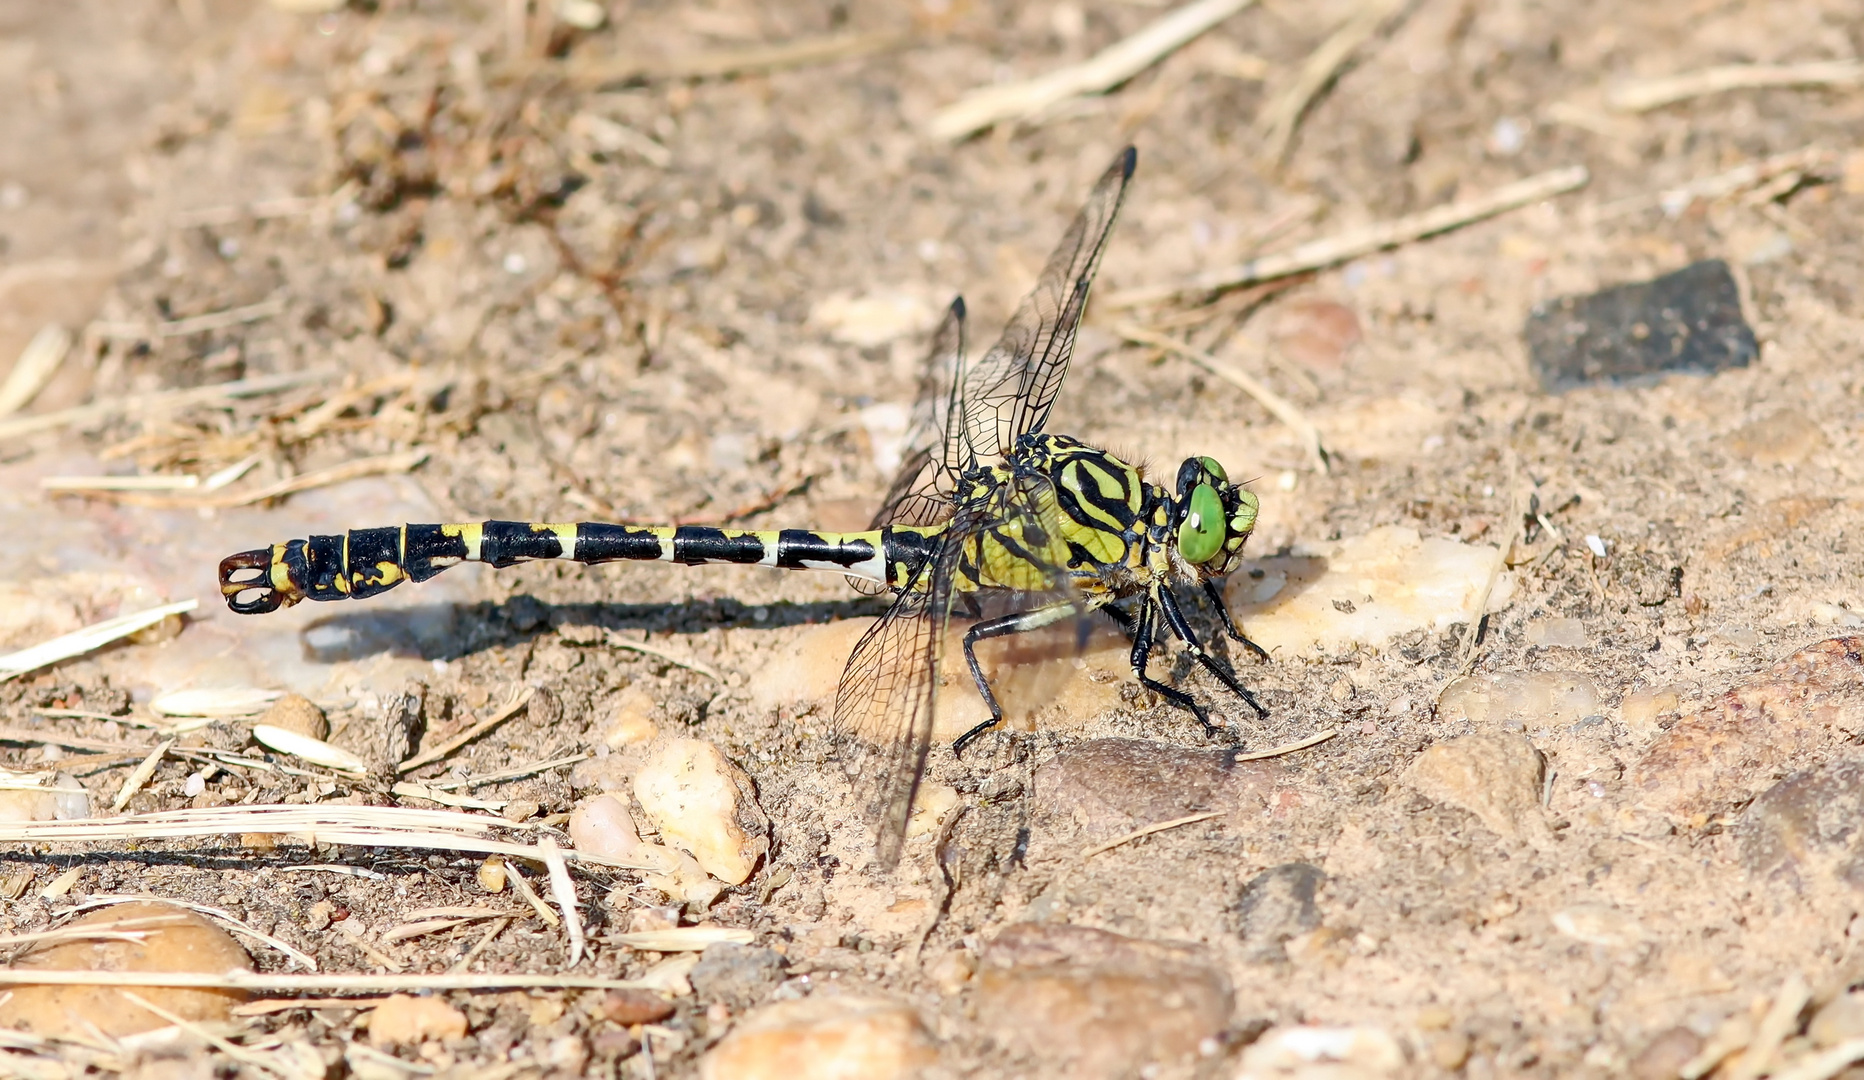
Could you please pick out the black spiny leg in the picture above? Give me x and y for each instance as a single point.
(1174, 618)
(1230, 628)
(1143, 628)
(1020, 623)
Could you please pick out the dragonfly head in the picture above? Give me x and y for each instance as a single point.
(1211, 516)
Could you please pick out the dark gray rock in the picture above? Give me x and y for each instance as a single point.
(1278, 904)
(738, 975)
(1687, 321)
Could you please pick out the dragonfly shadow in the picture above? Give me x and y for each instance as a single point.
(452, 631)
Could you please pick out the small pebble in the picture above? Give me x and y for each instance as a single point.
(1557, 632)
(823, 1038)
(492, 875)
(1449, 1050)
(1641, 710)
(299, 715)
(632, 723)
(952, 972)
(1516, 701)
(1276, 905)
(705, 805)
(1316, 332)
(874, 319)
(628, 1007)
(1804, 828)
(1308, 1051)
(1665, 1055)
(53, 797)
(520, 810)
(406, 1020)
(176, 939)
(738, 975)
(1494, 775)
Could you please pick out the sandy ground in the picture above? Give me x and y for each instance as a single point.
(705, 300)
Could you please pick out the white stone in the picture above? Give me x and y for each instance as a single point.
(1516, 700)
(1366, 590)
(603, 827)
(1299, 1050)
(706, 806)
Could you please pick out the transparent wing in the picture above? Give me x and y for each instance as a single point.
(1009, 391)
(885, 702)
(930, 460)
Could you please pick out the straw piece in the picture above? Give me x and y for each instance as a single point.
(183, 482)
(1288, 748)
(1279, 120)
(510, 709)
(529, 895)
(723, 62)
(173, 399)
(491, 932)
(254, 980)
(445, 798)
(232, 1050)
(217, 701)
(95, 636)
(277, 1005)
(1148, 830)
(1673, 201)
(616, 641)
(1112, 66)
(36, 365)
(563, 891)
(457, 911)
(1782, 1020)
(1284, 410)
(1826, 1064)
(140, 776)
(684, 938)
(315, 751)
(420, 929)
(1647, 94)
(215, 320)
(316, 478)
(512, 773)
(1367, 239)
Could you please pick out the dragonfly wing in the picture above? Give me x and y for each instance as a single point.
(884, 704)
(921, 491)
(1007, 394)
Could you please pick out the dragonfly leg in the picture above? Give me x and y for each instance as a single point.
(1019, 623)
(1230, 628)
(1174, 618)
(1144, 628)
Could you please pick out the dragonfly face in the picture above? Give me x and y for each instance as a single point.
(1211, 517)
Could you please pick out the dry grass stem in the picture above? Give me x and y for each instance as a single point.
(94, 636)
(226, 917)
(139, 776)
(684, 938)
(197, 324)
(563, 891)
(1148, 830)
(1288, 748)
(120, 483)
(1280, 407)
(718, 63)
(315, 751)
(141, 404)
(1781, 1021)
(277, 1005)
(616, 641)
(232, 1050)
(445, 798)
(529, 895)
(257, 210)
(513, 773)
(330, 983)
(1647, 94)
(1282, 116)
(1107, 69)
(1825, 1064)
(491, 933)
(1378, 236)
(1792, 166)
(518, 701)
(36, 365)
(399, 462)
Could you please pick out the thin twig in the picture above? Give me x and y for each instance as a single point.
(1148, 830)
(173, 399)
(563, 891)
(529, 895)
(1674, 201)
(445, 798)
(278, 1005)
(1288, 748)
(233, 1050)
(258, 980)
(428, 757)
(1284, 410)
(512, 773)
(196, 324)
(497, 928)
(140, 776)
(719, 63)
(221, 500)
(1363, 241)
(1647, 94)
(1107, 69)
(1282, 116)
(1825, 1064)
(616, 641)
(684, 938)
(94, 636)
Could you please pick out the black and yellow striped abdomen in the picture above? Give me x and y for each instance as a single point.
(365, 562)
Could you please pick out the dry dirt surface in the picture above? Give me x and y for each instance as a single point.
(618, 261)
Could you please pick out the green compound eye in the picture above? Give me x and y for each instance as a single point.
(1247, 507)
(1200, 537)
(1210, 466)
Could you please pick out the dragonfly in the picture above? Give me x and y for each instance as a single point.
(989, 520)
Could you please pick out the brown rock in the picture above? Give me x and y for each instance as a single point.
(1111, 786)
(1804, 829)
(1787, 437)
(1664, 1056)
(1276, 905)
(630, 1007)
(177, 940)
(1316, 332)
(406, 1020)
(1493, 775)
(1101, 1004)
(823, 1038)
(1730, 748)
(298, 715)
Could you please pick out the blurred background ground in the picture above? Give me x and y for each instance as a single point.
(588, 284)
